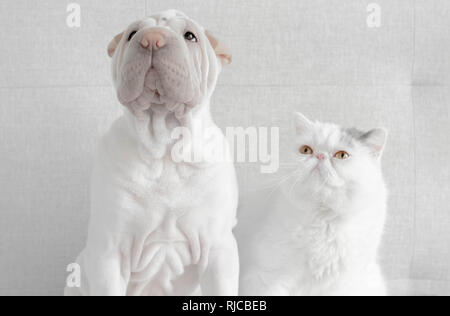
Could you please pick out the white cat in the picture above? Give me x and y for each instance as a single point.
(319, 232)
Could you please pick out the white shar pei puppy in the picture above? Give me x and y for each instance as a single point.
(161, 225)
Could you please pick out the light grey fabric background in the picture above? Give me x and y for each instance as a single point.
(314, 56)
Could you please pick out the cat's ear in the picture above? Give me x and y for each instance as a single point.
(376, 140)
(302, 123)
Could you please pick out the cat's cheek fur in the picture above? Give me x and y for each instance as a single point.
(357, 169)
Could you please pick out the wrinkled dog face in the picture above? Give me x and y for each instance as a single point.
(166, 59)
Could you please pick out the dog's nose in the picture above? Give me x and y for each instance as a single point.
(154, 38)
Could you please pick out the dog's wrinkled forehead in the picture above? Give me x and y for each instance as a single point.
(173, 19)
(176, 21)
(168, 15)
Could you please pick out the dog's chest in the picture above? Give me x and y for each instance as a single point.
(176, 189)
(166, 203)
(174, 231)
(174, 212)
(161, 255)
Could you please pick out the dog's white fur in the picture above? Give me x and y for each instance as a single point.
(160, 227)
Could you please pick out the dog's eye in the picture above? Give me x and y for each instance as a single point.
(190, 37)
(131, 35)
(342, 155)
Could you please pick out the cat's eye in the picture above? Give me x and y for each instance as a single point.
(132, 34)
(306, 150)
(342, 155)
(190, 37)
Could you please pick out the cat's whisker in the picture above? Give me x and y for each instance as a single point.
(286, 174)
(293, 187)
(283, 181)
(302, 176)
(274, 182)
(275, 179)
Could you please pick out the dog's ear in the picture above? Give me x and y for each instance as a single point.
(114, 43)
(221, 50)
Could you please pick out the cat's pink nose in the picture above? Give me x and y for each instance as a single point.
(321, 156)
(154, 38)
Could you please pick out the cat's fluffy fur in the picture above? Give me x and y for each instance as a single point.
(318, 233)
